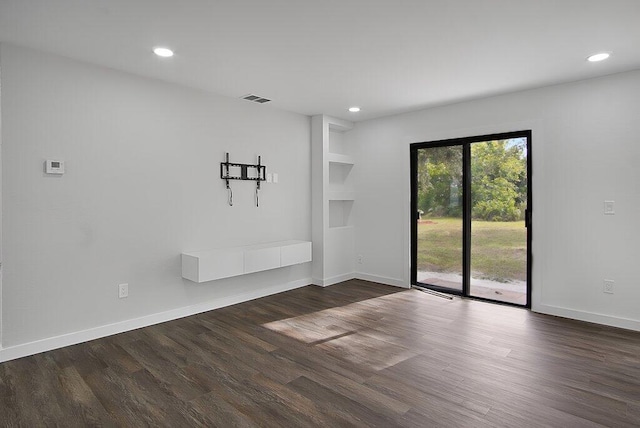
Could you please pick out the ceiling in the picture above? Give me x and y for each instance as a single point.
(324, 56)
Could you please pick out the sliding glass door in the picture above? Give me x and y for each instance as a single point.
(439, 222)
(471, 216)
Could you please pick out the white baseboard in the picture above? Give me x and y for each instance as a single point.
(359, 275)
(609, 320)
(382, 280)
(333, 280)
(48, 344)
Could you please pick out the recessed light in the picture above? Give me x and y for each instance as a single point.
(354, 109)
(163, 52)
(599, 57)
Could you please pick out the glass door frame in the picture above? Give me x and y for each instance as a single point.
(465, 143)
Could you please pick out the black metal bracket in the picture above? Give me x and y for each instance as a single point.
(259, 175)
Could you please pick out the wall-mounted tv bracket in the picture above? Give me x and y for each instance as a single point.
(242, 171)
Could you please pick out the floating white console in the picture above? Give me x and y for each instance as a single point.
(203, 266)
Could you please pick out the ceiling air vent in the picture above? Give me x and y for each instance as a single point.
(255, 99)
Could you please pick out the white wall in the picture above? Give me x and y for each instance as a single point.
(585, 150)
(141, 186)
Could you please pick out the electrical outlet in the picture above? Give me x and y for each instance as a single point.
(609, 208)
(608, 286)
(123, 291)
(360, 259)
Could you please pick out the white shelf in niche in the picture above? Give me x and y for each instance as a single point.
(340, 158)
(342, 195)
(208, 265)
(338, 228)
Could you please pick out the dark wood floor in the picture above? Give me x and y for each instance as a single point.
(355, 354)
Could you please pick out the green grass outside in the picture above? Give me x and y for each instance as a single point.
(498, 249)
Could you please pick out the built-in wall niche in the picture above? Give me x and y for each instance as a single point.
(340, 213)
(340, 177)
(332, 199)
(336, 141)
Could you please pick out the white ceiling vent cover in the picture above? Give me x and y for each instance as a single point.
(255, 99)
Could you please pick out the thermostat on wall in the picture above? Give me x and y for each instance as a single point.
(54, 167)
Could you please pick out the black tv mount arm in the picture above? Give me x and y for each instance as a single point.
(257, 173)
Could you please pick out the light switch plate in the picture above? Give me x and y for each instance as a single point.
(269, 178)
(275, 177)
(123, 290)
